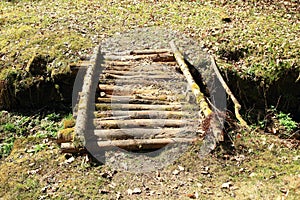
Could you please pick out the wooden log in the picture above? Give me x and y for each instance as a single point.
(140, 96)
(132, 101)
(214, 123)
(237, 105)
(142, 114)
(150, 51)
(162, 66)
(118, 63)
(135, 73)
(200, 98)
(105, 107)
(132, 90)
(115, 89)
(65, 135)
(151, 123)
(161, 57)
(138, 133)
(68, 147)
(151, 77)
(140, 144)
(161, 83)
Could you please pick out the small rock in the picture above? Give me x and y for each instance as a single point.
(175, 172)
(103, 191)
(204, 172)
(180, 168)
(136, 191)
(70, 160)
(252, 174)
(227, 185)
(129, 191)
(199, 184)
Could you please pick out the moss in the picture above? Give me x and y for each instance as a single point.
(69, 123)
(104, 107)
(66, 134)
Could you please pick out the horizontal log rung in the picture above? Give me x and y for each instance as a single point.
(143, 114)
(135, 133)
(138, 144)
(117, 107)
(151, 123)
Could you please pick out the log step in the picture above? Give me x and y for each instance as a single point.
(153, 77)
(131, 101)
(136, 123)
(138, 133)
(142, 114)
(138, 144)
(142, 81)
(130, 145)
(134, 89)
(113, 106)
(154, 57)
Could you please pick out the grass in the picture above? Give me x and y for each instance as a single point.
(256, 39)
(262, 166)
(260, 41)
(14, 126)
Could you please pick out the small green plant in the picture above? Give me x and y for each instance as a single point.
(53, 117)
(286, 121)
(36, 148)
(5, 148)
(9, 127)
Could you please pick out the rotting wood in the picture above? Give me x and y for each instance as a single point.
(237, 105)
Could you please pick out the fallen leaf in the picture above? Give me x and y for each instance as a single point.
(191, 196)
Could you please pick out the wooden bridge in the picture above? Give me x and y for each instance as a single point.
(138, 100)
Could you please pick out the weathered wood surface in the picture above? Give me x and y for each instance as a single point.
(141, 102)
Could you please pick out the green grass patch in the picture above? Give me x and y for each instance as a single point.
(260, 39)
